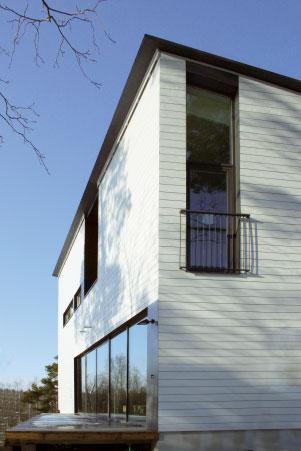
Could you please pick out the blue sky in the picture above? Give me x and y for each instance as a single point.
(37, 209)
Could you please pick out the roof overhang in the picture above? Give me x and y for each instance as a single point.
(149, 46)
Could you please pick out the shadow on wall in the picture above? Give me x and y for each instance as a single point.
(233, 364)
(118, 290)
(276, 238)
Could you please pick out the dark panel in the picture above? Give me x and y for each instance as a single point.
(91, 247)
(208, 78)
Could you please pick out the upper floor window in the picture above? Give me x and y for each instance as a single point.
(212, 226)
(208, 127)
(91, 247)
(77, 299)
(68, 313)
(74, 304)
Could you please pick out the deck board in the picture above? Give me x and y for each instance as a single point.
(77, 429)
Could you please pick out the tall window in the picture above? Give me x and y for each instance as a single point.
(137, 371)
(91, 381)
(112, 378)
(210, 178)
(119, 375)
(102, 379)
(91, 247)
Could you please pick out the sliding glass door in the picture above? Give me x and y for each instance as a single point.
(112, 378)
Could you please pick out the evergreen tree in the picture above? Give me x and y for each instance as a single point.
(44, 396)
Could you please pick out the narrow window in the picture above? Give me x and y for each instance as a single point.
(91, 247)
(83, 394)
(210, 181)
(77, 299)
(119, 375)
(68, 313)
(91, 381)
(102, 389)
(137, 370)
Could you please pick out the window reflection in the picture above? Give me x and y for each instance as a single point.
(103, 379)
(113, 376)
(210, 181)
(118, 374)
(91, 381)
(137, 370)
(83, 397)
(208, 126)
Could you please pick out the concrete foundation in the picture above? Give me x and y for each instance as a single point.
(256, 440)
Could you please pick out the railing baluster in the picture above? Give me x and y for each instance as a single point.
(216, 241)
(204, 243)
(215, 244)
(221, 242)
(196, 240)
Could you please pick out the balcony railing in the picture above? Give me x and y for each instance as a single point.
(215, 242)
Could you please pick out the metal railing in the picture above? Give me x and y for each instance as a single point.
(215, 242)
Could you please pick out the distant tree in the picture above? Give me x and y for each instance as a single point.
(44, 396)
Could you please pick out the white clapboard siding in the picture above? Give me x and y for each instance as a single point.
(229, 346)
(128, 242)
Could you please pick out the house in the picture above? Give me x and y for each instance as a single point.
(179, 280)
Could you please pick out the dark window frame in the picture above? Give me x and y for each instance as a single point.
(67, 318)
(91, 247)
(72, 306)
(78, 295)
(224, 84)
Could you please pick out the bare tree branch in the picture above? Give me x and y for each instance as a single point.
(62, 22)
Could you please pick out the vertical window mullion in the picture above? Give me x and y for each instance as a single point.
(86, 385)
(96, 357)
(127, 375)
(109, 385)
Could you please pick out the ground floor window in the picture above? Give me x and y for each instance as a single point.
(111, 378)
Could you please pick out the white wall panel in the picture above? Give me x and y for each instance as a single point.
(229, 346)
(128, 242)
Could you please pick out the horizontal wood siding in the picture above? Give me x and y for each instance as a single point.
(230, 346)
(127, 279)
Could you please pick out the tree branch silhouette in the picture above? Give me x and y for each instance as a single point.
(62, 23)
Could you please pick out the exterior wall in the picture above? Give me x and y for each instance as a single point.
(128, 243)
(69, 282)
(248, 440)
(229, 345)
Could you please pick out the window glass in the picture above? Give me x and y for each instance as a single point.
(68, 313)
(119, 374)
(77, 299)
(83, 398)
(91, 247)
(103, 378)
(91, 381)
(208, 191)
(111, 379)
(208, 127)
(137, 370)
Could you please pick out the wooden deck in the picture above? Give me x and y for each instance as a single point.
(77, 429)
